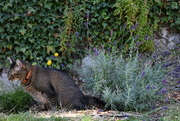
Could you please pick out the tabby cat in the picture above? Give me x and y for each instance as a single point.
(50, 87)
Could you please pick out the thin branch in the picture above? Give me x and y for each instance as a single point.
(11, 109)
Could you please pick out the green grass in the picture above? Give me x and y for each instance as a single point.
(29, 117)
(171, 114)
(16, 101)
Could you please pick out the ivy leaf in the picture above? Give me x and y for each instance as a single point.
(2, 3)
(50, 48)
(32, 40)
(22, 31)
(8, 37)
(48, 5)
(106, 17)
(174, 5)
(3, 35)
(23, 49)
(8, 25)
(17, 49)
(10, 47)
(94, 20)
(16, 17)
(30, 10)
(1, 29)
(159, 2)
(104, 25)
(47, 20)
(29, 25)
(96, 32)
(40, 3)
(5, 8)
(178, 21)
(106, 32)
(50, 27)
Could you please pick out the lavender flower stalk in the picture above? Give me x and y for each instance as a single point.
(164, 90)
(109, 49)
(96, 52)
(148, 87)
(136, 37)
(164, 82)
(145, 38)
(87, 15)
(143, 74)
(111, 33)
(86, 25)
(124, 26)
(77, 34)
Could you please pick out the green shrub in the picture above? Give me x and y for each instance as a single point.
(130, 83)
(15, 101)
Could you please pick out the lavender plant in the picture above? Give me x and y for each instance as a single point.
(124, 83)
(172, 61)
(6, 86)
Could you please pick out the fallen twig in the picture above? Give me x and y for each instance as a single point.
(11, 109)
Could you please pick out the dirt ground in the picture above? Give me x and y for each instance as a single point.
(97, 114)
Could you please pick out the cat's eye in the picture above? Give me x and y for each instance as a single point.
(16, 75)
(11, 77)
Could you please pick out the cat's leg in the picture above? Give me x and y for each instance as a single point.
(79, 107)
(52, 102)
(50, 95)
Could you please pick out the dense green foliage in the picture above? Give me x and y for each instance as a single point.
(136, 11)
(166, 11)
(35, 30)
(15, 101)
(126, 84)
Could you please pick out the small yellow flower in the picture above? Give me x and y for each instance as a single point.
(56, 54)
(34, 63)
(31, 57)
(49, 62)
(37, 58)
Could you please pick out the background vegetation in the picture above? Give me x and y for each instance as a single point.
(35, 30)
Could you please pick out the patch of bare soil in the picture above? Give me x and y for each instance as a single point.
(97, 114)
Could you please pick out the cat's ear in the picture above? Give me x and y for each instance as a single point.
(11, 60)
(19, 65)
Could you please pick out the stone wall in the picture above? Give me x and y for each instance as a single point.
(166, 38)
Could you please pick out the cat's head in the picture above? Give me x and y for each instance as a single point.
(17, 70)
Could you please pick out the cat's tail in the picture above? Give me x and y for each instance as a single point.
(96, 102)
